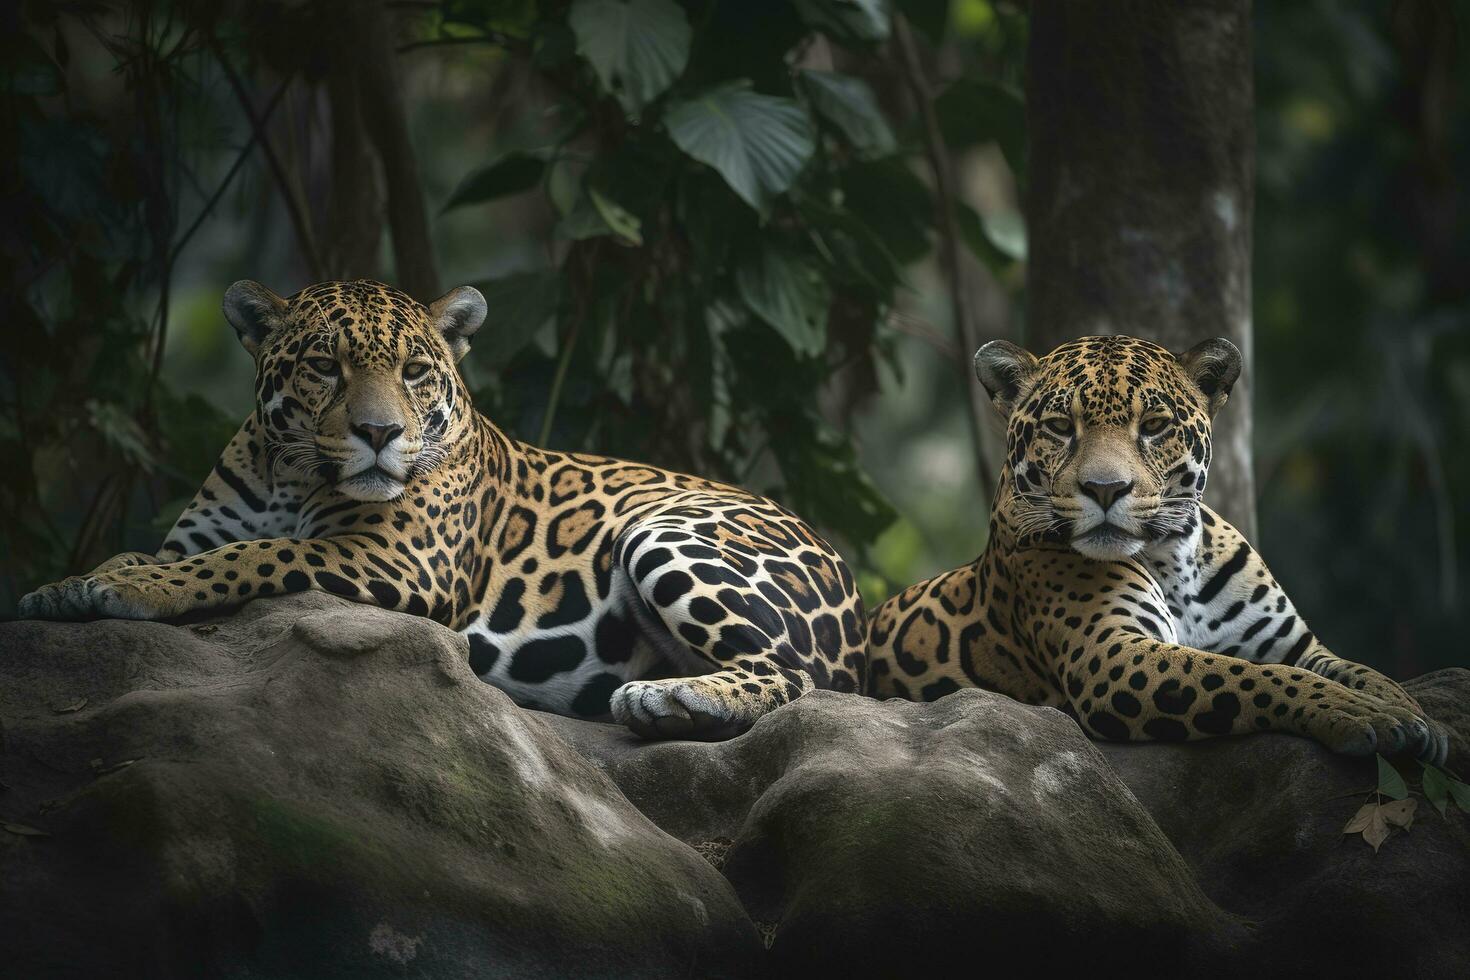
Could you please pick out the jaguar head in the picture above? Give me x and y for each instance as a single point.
(356, 382)
(1107, 438)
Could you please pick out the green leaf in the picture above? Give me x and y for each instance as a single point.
(637, 48)
(511, 174)
(860, 257)
(972, 232)
(622, 222)
(1390, 783)
(1460, 793)
(848, 103)
(1436, 787)
(853, 20)
(715, 220)
(519, 305)
(758, 143)
(973, 111)
(120, 430)
(996, 239)
(620, 193)
(788, 292)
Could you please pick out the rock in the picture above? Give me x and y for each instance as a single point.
(869, 837)
(313, 788)
(1260, 819)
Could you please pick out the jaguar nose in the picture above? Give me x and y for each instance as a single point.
(1107, 492)
(377, 434)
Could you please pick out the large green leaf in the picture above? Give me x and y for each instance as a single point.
(637, 48)
(758, 143)
(847, 103)
(788, 292)
(511, 174)
(518, 305)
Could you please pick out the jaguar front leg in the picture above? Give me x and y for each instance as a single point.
(1133, 687)
(352, 566)
(1323, 662)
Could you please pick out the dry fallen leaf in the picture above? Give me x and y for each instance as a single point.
(22, 830)
(1400, 813)
(1371, 823)
(1374, 819)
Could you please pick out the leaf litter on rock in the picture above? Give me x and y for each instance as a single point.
(21, 830)
(1374, 820)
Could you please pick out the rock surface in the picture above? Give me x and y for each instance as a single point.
(315, 788)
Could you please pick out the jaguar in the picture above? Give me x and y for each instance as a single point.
(1108, 589)
(584, 585)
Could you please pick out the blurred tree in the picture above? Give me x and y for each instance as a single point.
(1141, 187)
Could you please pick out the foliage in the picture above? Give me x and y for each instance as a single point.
(716, 207)
(706, 276)
(1390, 805)
(89, 430)
(1362, 324)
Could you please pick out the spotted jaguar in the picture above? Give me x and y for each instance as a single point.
(1109, 590)
(584, 585)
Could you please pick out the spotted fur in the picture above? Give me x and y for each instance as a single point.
(1107, 589)
(585, 585)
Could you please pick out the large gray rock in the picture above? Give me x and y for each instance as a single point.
(869, 837)
(313, 788)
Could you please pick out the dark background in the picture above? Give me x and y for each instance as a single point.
(797, 338)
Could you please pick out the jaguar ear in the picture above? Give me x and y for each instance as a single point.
(253, 311)
(457, 315)
(1003, 368)
(1214, 367)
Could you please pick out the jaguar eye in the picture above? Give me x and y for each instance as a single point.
(414, 370)
(1061, 425)
(1153, 426)
(325, 366)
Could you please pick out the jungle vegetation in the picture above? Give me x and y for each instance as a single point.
(757, 242)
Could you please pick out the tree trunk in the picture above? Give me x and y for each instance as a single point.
(387, 123)
(1141, 177)
(353, 224)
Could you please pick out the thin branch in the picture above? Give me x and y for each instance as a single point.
(230, 175)
(949, 251)
(922, 330)
(294, 208)
(493, 37)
